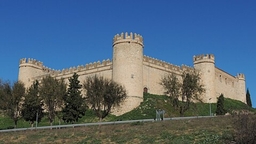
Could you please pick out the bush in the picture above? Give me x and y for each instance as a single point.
(10, 127)
(245, 129)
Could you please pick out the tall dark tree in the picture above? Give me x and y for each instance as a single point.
(74, 103)
(5, 95)
(102, 94)
(248, 98)
(5, 89)
(11, 98)
(32, 108)
(188, 89)
(52, 90)
(220, 106)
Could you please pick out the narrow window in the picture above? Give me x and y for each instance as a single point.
(145, 90)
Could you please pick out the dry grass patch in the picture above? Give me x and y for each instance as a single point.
(193, 130)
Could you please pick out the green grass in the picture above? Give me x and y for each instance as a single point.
(146, 110)
(202, 131)
(234, 105)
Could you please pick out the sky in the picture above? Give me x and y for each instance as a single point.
(65, 33)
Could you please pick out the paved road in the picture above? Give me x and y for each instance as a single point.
(100, 123)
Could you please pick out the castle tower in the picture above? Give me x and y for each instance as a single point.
(240, 88)
(205, 64)
(28, 69)
(128, 68)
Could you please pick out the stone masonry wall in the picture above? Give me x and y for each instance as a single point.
(154, 70)
(31, 70)
(229, 86)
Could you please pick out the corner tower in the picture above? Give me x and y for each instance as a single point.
(128, 68)
(205, 64)
(241, 88)
(28, 70)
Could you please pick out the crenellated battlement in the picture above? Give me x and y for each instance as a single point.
(240, 76)
(70, 70)
(186, 68)
(208, 58)
(89, 66)
(203, 57)
(166, 65)
(36, 64)
(128, 38)
(31, 61)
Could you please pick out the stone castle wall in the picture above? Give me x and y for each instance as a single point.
(136, 72)
(31, 70)
(230, 86)
(154, 70)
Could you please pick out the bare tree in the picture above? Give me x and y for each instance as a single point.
(188, 89)
(103, 94)
(52, 92)
(11, 98)
(172, 85)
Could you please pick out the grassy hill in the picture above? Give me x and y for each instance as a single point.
(211, 130)
(147, 108)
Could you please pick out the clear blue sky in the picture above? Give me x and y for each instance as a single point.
(65, 33)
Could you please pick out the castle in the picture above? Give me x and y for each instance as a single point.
(139, 73)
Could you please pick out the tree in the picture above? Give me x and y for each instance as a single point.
(188, 89)
(32, 108)
(74, 103)
(2, 95)
(220, 106)
(61, 93)
(248, 98)
(173, 86)
(5, 95)
(102, 94)
(191, 90)
(52, 91)
(11, 98)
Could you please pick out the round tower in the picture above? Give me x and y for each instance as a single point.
(241, 88)
(28, 70)
(205, 64)
(128, 68)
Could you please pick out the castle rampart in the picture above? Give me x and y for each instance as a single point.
(128, 38)
(205, 64)
(154, 70)
(229, 85)
(135, 71)
(165, 66)
(207, 58)
(34, 69)
(128, 68)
